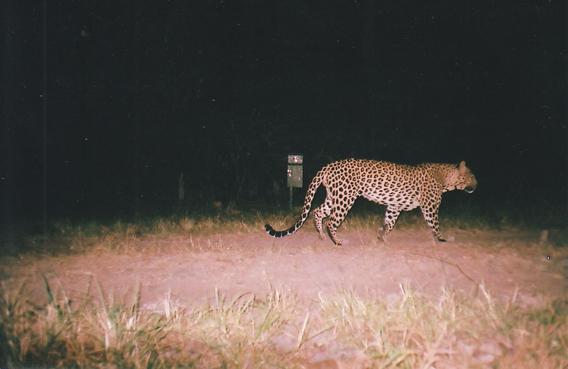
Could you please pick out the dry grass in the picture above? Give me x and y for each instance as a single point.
(132, 236)
(346, 330)
(277, 330)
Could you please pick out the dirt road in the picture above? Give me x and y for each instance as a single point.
(510, 264)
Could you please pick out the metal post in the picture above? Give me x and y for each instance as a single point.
(295, 173)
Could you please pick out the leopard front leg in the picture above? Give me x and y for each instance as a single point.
(390, 220)
(430, 214)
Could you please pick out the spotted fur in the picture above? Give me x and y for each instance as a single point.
(399, 187)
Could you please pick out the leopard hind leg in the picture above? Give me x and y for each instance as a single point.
(339, 212)
(320, 213)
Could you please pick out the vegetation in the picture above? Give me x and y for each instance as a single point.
(279, 331)
(65, 236)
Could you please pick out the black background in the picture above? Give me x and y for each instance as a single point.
(138, 92)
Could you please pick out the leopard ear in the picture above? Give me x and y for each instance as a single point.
(462, 167)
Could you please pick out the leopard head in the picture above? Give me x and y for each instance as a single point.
(465, 180)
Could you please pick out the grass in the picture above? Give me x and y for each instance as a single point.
(279, 331)
(408, 330)
(66, 236)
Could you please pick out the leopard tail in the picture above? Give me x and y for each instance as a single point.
(316, 182)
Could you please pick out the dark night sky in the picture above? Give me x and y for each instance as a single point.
(223, 90)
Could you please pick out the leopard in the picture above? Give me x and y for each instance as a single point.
(396, 186)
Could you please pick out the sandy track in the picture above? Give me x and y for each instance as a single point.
(191, 268)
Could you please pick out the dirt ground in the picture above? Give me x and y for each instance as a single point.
(512, 265)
